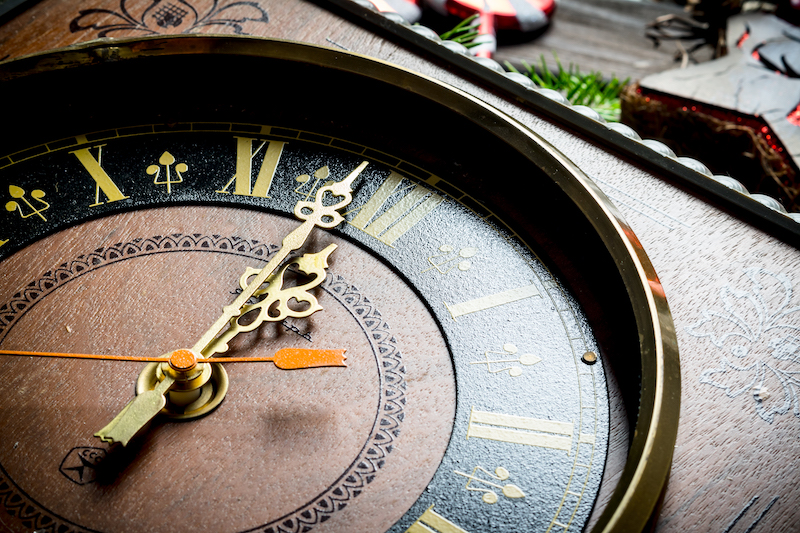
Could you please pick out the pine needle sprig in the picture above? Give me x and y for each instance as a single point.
(591, 90)
(464, 32)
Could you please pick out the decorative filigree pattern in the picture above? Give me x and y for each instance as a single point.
(389, 365)
(171, 16)
(274, 297)
(31, 515)
(759, 329)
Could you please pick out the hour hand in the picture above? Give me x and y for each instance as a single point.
(139, 411)
(185, 374)
(273, 306)
(183, 369)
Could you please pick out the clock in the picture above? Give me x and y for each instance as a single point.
(481, 293)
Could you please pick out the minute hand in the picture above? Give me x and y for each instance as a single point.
(313, 214)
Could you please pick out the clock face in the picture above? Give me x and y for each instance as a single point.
(476, 337)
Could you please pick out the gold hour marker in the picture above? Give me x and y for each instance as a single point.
(520, 430)
(167, 160)
(491, 360)
(18, 193)
(509, 490)
(319, 175)
(448, 259)
(492, 300)
(103, 181)
(399, 218)
(244, 167)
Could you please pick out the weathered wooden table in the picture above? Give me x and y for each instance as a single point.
(606, 36)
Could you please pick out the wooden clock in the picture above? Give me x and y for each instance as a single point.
(503, 354)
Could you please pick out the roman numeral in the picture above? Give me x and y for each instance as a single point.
(492, 300)
(242, 178)
(103, 181)
(433, 522)
(520, 430)
(401, 217)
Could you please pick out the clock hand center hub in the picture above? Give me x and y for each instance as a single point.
(182, 360)
(185, 371)
(197, 387)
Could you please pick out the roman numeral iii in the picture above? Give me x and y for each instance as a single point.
(401, 217)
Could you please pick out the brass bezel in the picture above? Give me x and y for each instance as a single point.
(644, 477)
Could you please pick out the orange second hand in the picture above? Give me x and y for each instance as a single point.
(134, 358)
(235, 359)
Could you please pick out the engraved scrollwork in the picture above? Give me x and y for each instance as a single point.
(757, 327)
(178, 16)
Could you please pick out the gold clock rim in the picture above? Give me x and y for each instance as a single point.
(644, 478)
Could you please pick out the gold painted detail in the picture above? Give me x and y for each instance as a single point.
(520, 430)
(245, 154)
(509, 490)
(167, 160)
(3, 241)
(304, 189)
(417, 201)
(103, 181)
(491, 361)
(492, 300)
(18, 193)
(432, 522)
(449, 259)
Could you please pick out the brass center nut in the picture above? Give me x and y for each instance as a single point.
(184, 368)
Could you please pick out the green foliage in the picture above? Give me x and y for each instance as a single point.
(464, 33)
(591, 89)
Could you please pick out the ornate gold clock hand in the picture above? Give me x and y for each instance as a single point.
(274, 303)
(314, 213)
(143, 407)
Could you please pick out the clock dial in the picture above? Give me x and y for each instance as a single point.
(471, 398)
(310, 439)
